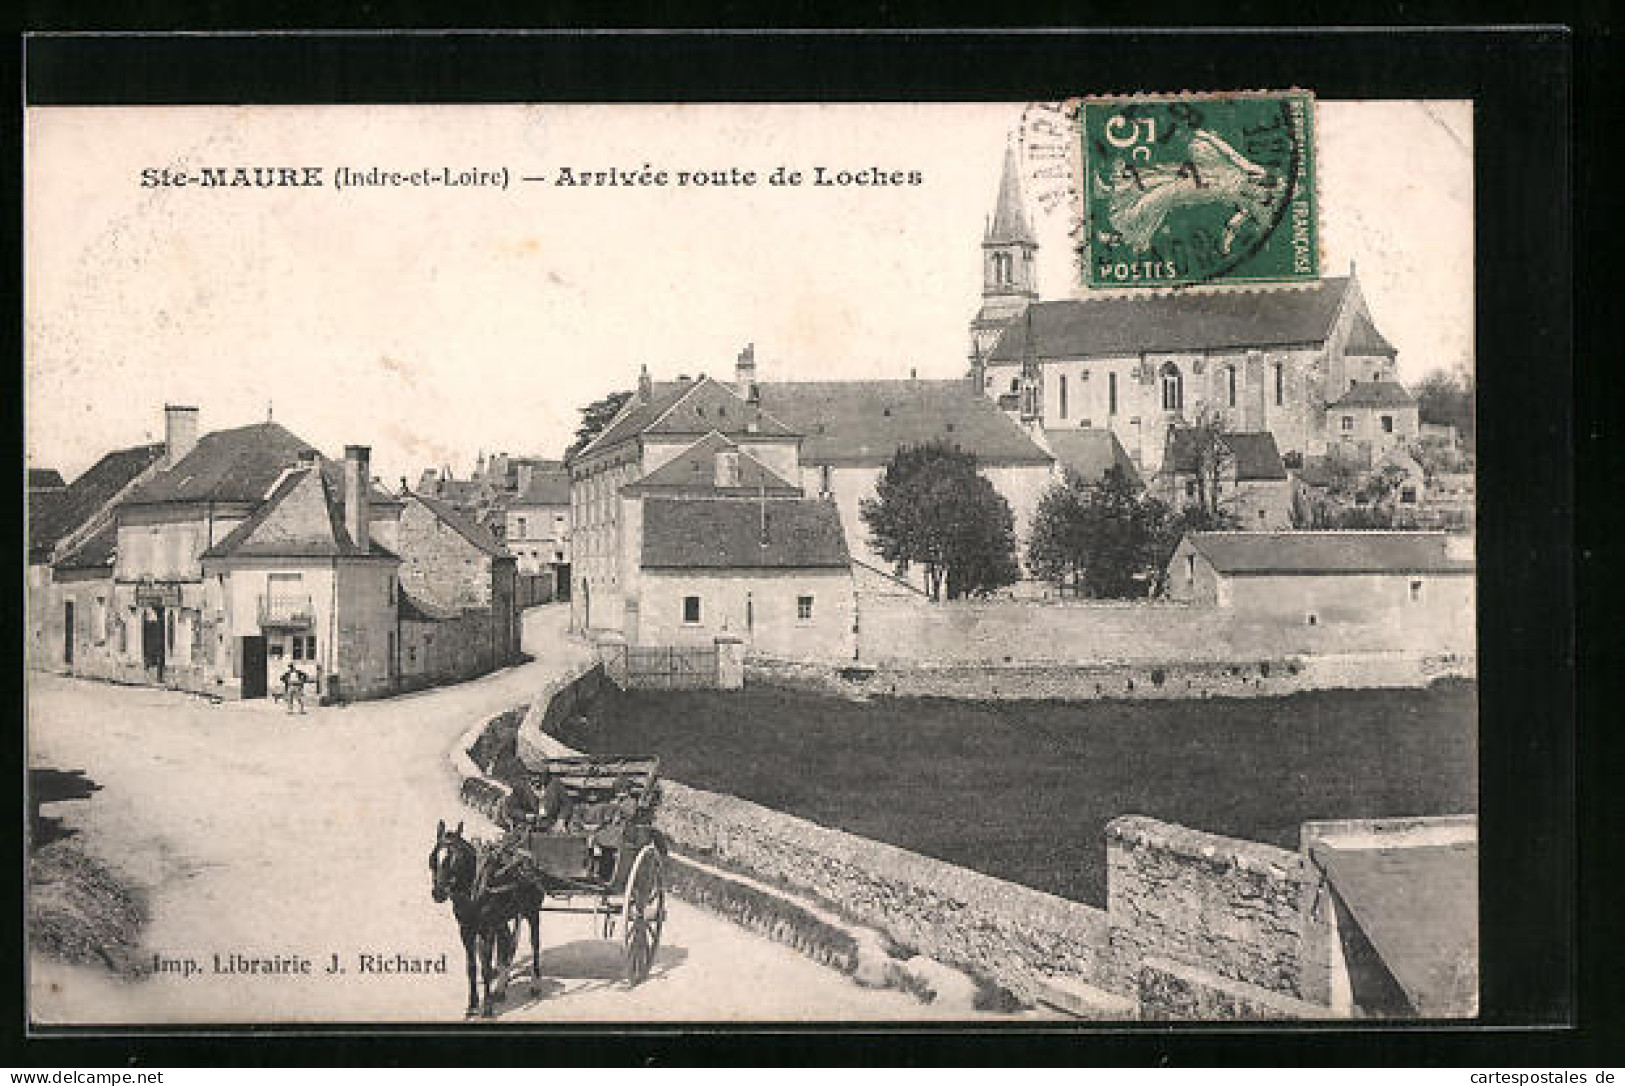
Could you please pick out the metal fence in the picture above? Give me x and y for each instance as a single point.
(660, 668)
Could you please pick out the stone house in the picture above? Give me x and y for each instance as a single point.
(77, 521)
(1373, 417)
(459, 599)
(1252, 481)
(1418, 585)
(537, 527)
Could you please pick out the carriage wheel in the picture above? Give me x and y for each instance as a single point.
(643, 913)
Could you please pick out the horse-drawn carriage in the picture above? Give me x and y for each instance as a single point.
(580, 839)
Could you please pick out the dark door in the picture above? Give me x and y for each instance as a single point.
(561, 588)
(152, 640)
(67, 633)
(253, 667)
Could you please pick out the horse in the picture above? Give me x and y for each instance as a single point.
(486, 896)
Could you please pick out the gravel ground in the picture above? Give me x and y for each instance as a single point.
(247, 831)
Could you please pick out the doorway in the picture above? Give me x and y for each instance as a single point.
(67, 633)
(253, 661)
(152, 641)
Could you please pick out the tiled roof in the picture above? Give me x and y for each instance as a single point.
(412, 609)
(45, 479)
(1091, 452)
(94, 552)
(463, 526)
(549, 487)
(68, 510)
(677, 408)
(1129, 324)
(1418, 908)
(1254, 453)
(1343, 552)
(1376, 394)
(303, 518)
(727, 533)
(235, 465)
(695, 468)
(866, 422)
(1365, 339)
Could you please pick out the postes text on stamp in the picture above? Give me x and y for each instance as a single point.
(1199, 188)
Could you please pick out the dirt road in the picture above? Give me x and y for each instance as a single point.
(260, 834)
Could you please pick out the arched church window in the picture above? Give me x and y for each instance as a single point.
(1230, 385)
(1173, 388)
(1280, 384)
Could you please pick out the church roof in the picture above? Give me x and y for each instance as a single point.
(695, 468)
(730, 533)
(1376, 394)
(1091, 452)
(866, 422)
(1365, 339)
(1129, 324)
(1009, 212)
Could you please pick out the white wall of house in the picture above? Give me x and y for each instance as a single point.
(801, 614)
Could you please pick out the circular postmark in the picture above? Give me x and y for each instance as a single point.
(1052, 163)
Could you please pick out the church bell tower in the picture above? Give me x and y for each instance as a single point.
(1009, 273)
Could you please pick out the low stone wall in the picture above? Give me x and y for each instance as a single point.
(1239, 909)
(1009, 935)
(1171, 991)
(1255, 678)
(560, 700)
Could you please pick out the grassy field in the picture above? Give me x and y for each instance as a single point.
(1023, 790)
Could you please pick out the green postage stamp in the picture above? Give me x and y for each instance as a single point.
(1199, 188)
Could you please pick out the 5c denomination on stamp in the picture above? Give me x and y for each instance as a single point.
(1199, 188)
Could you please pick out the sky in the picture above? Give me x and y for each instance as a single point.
(434, 323)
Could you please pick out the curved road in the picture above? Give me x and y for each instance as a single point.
(261, 834)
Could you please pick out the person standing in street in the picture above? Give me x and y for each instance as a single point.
(293, 688)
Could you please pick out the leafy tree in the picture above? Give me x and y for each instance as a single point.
(1108, 539)
(933, 507)
(1447, 398)
(594, 418)
(1211, 460)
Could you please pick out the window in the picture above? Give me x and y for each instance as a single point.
(1376, 376)
(1111, 394)
(169, 631)
(1230, 385)
(1190, 488)
(1352, 382)
(1173, 388)
(804, 606)
(1416, 591)
(1407, 495)
(1348, 422)
(392, 592)
(1280, 384)
(1388, 424)
(691, 610)
(1190, 569)
(825, 479)
(521, 532)
(1015, 384)
(304, 648)
(1063, 395)
(1312, 619)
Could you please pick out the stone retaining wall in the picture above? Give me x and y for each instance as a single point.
(1245, 911)
(1171, 991)
(1265, 677)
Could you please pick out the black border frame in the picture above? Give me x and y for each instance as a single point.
(1522, 81)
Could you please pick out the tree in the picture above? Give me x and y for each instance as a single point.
(1210, 460)
(594, 418)
(933, 507)
(1446, 398)
(1108, 539)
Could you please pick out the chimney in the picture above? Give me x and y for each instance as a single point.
(645, 385)
(357, 494)
(523, 471)
(745, 372)
(180, 432)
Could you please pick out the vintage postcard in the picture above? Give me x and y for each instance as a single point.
(548, 564)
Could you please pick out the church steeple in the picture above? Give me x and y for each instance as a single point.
(1009, 274)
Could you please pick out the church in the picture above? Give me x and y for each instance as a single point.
(1138, 365)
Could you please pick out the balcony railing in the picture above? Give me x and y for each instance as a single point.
(287, 611)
